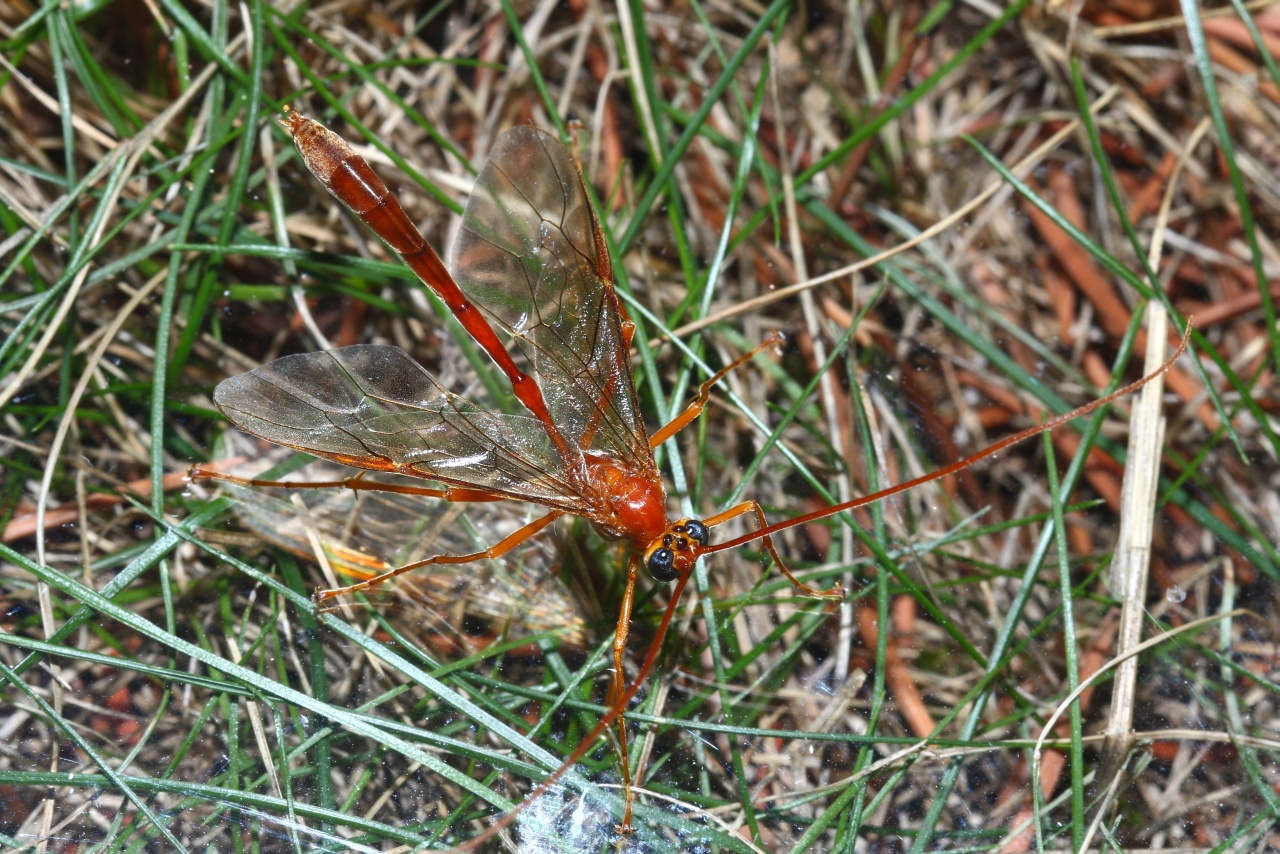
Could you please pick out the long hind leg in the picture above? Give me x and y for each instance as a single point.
(619, 686)
(494, 551)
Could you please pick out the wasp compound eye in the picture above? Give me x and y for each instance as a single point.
(662, 565)
(697, 531)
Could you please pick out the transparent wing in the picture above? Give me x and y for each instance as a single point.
(365, 533)
(530, 254)
(374, 407)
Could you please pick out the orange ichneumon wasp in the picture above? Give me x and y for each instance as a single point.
(532, 283)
